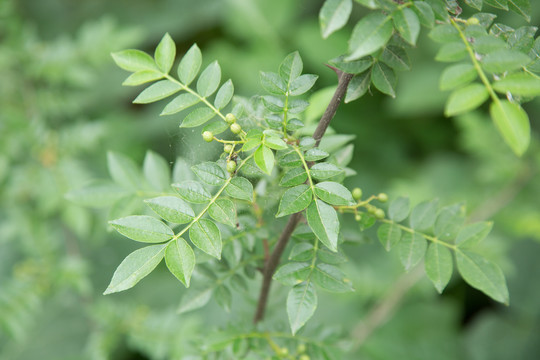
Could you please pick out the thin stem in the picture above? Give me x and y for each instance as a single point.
(273, 261)
(428, 237)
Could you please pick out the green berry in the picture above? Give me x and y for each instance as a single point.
(382, 197)
(235, 128)
(284, 351)
(357, 217)
(208, 136)
(357, 193)
(301, 348)
(230, 118)
(379, 214)
(231, 166)
(473, 21)
(372, 209)
(227, 148)
(304, 357)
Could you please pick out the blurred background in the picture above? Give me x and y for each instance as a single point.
(63, 107)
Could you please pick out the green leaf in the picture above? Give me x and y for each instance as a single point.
(294, 177)
(223, 297)
(134, 60)
(205, 235)
(504, 60)
(195, 299)
(521, 7)
(323, 171)
(334, 193)
(302, 84)
(301, 305)
(315, 154)
(210, 173)
(297, 106)
(521, 84)
(513, 124)
(198, 117)
(190, 65)
(389, 235)
(240, 188)
(292, 273)
(482, 274)
(295, 200)
(273, 103)
(142, 77)
(264, 158)
(302, 252)
(487, 44)
(444, 34)
(216, 127)
(180, 260)
(323, 220)
(157, 91)
(179, 103)
(274, 142)
(358, 86)
(193, 192)
(291, 67)
(477, 4)
(209, 80)
(329, 257)
(223, 211)
(384, 79)
(472, 234)
(399, 209)
(142, 228)
(370, 34)
(123, 170)
(451, 52)
(172, 209)
(272, 83)
(456, 76)
(396, 58)
(448, 222)
(157, 171)
(438, 265)
(500, 4)
(135, 267)
(407, 24)
(423, 215)
(412, 249)
(334, 15)
(331, 278)
(466, 99)
(424, 13)
(351, 67)
(165, 53)
(224, 95)
(98, 193)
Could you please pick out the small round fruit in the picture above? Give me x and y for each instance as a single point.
(382, 197)
(231, 166)
(301, 348)
(304, 357)
(357, 217)
(230, 118)
(227, 148)
(357, 193)
(208, 136)
(379, 214)
(284, 351)
(235, 128)
(473, 21)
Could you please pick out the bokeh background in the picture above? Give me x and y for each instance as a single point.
(62, 108)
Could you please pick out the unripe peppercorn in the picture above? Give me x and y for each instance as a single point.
(230, 118)
(357, 193)
(284, 351)
(357, 217)
(473, 21)
(304, 357)
(231, 166)
(235, 128)
(379, 214)
(301, 348)
(227, 148)
(208, 136)
(382, 197)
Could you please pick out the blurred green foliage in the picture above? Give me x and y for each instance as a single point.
(62, 108)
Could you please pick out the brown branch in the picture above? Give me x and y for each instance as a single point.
(273, 261)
